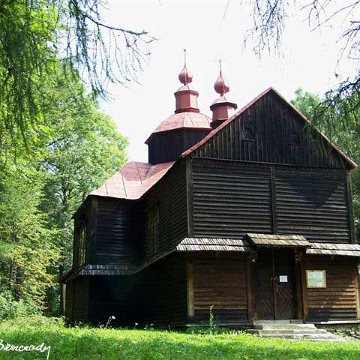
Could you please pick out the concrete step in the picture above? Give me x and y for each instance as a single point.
(287, 330)
(283, 326)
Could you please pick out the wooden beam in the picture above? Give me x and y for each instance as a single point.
(304, 290)
(190, 288)
(273, 200)
(350, 207)
(249, 285)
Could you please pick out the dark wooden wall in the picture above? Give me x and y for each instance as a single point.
(270, 131)
(156, 295)
(119, 232)
(313, 204)
(113, 296)
(170, 195)
(77, 300)
(338, 301)
(83, 218)
(230, 199)
(168, 146)
(160, 293)
(219, 280)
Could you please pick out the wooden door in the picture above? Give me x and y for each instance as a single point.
(275, 289)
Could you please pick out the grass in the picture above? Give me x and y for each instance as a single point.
(86, 343)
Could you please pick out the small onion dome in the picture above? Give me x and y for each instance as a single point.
(220, 86)
(185, 76)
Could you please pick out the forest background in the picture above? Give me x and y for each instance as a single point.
(56, 145)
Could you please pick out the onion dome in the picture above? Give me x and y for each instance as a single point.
(185, 76)
(187, 114)
(221, 107)
(220, 86)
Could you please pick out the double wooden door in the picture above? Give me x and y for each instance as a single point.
(275, 290)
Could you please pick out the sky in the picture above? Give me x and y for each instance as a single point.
(210, 30)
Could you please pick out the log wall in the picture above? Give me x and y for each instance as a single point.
(119, 231)
(170, 195)
(338, 301)
(219, 280)
(230, 199)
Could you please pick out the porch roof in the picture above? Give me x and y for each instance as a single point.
(213, 244)
(334, 249)
(265, 240)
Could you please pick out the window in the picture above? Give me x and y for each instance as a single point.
(82, 243)
(152, 228)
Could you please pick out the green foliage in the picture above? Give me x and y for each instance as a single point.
(12, 309)
(71, 152)
(35, 34)
(101, 343)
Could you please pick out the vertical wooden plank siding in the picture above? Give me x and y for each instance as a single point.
(169, 145)
(350, 207)
(338, 301)
(313, 204)
(270, 131)
(220, 280)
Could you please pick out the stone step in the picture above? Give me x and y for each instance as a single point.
(288, 331)
(295, 331)
(284, 326)
(310, 337)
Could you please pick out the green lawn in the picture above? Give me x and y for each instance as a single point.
(87, 343)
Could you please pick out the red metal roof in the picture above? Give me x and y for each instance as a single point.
(133, 180)
(188, 120)
(239, 112)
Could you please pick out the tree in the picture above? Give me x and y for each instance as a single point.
(83, 148)
(269, 19)
(343, 131)
(35, 34)
(73, 150)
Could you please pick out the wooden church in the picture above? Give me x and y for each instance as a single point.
(250, 215)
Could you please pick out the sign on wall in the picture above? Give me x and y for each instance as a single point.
(316, 278)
